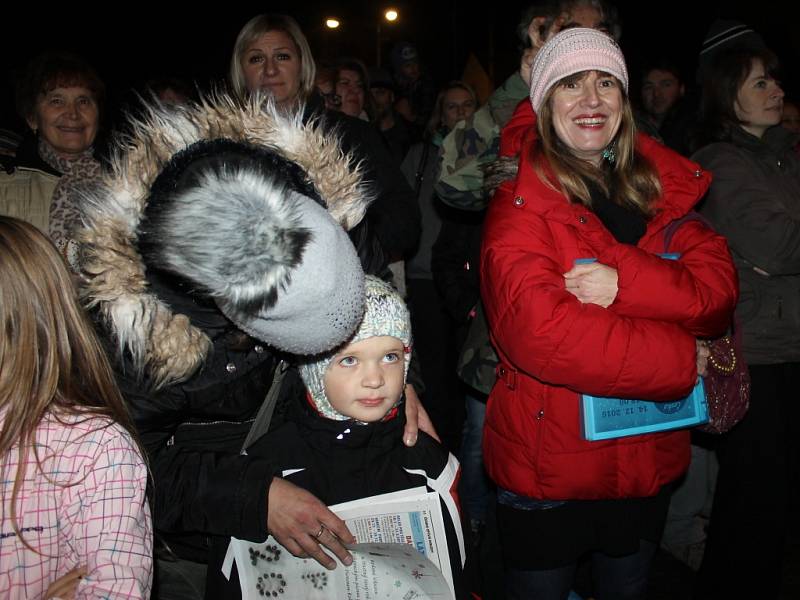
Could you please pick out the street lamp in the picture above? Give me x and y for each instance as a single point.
(390, 15)
(332, 23)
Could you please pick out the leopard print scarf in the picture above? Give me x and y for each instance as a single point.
(78, 175)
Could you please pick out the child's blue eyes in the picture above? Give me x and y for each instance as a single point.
(351, 361)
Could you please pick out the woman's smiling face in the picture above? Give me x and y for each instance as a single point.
(587, 113)
(67, 118)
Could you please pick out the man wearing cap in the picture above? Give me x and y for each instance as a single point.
(416, 92)
(393, 127)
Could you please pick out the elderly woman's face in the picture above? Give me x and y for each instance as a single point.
(67, 118)
(272, 63)
(587, 112)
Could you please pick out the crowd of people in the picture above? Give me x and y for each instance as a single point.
(328, 280)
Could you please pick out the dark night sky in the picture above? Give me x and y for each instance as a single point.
(131, 46)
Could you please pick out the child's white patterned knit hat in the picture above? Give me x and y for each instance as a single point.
(385, 313)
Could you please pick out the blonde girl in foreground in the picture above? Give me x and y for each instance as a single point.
(74, 520)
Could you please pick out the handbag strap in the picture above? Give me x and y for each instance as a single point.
(669, 230)
(261, 423)
(420, 174)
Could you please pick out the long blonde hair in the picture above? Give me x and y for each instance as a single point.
(51, 360)
(631, 176)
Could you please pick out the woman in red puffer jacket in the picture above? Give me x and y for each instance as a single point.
(624, 326)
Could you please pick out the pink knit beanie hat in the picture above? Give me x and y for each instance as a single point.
(573, 51)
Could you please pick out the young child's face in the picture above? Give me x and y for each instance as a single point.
(365, 379)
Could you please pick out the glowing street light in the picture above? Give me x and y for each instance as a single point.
(390, 15)
(332, 23)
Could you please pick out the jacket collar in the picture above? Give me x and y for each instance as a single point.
(327, 434)
(776, 141)
(27, 156)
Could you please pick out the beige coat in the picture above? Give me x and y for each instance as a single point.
(26, 194)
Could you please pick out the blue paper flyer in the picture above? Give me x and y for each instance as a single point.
(606, 418)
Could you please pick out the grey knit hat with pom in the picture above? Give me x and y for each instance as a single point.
(244, 227)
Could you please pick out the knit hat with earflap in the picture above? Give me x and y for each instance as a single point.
(385, 314)
(573, 51)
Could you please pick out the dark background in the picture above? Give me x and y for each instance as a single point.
(130, 43)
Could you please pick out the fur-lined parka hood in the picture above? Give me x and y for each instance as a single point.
(165, 346)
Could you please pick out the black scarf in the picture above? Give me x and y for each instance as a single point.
(626, 224)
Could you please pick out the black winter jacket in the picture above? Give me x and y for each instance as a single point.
(339, 461)
(193, 433)
(754, 201)
(394, 215)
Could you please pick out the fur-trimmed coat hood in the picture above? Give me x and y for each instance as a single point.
(164, 345)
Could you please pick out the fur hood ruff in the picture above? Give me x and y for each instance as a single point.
(163, 345)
